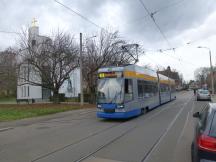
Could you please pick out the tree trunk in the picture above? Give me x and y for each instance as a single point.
(92, 95)
(56, 97)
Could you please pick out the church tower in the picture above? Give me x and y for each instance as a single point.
(33, 33)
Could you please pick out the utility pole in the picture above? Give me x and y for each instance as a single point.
(212, 75)
(81, 74)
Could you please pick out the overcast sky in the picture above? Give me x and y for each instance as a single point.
(181, 21)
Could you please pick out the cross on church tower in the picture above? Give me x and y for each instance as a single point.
(34, 21)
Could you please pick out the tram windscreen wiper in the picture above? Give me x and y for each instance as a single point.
(116, 96)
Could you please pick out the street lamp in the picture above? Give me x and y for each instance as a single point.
(212, 77)
(81, 70)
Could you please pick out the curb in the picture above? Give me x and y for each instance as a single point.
(5, 129)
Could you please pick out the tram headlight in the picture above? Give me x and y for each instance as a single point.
(120, 106)
(99, 106)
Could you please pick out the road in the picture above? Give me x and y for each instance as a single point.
(162, 135)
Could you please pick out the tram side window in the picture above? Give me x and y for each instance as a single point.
(168, 88)
(128, 90)
(147, 88)
(140, 88)
(164, 88)
(173, 88)
(154, 88)
(161, 87)
(150, 88)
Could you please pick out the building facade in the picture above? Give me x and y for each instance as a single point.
(172, 74)
(28, 76)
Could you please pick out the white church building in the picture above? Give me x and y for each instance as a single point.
(33, 93)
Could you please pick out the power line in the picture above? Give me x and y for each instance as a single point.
(136, 20)
(9, 32)
(80, 15)
(178, 59)
(173, 57)
(169, 5)
(173, 49)
(181, 46)
(201, 39)
(156, 11)
(153, 60)
(151, 14)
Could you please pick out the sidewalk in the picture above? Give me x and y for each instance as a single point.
(213, 97)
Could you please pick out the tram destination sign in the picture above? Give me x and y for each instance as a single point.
(113, 74)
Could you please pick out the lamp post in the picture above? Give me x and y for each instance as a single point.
(81, 70)
(212, 76)
(81, 76)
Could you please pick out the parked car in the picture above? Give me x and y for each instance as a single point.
(203, 148)
(203, 94)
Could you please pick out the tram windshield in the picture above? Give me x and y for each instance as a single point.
(110, 90)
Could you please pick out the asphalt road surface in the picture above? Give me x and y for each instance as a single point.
(162, 135)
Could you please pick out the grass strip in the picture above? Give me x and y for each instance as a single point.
(21, 111)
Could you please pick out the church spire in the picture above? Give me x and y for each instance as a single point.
(34, 21)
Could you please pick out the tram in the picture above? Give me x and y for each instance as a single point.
(131, 90)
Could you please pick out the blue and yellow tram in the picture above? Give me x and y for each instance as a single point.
(128, 91)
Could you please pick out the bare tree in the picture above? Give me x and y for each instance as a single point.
(106, 50)
(201, 74)
(50, 61)
(8, 62)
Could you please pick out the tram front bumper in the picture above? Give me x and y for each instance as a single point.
(119, 115)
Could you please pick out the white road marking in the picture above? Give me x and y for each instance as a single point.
(165, 133)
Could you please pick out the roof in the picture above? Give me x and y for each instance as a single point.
(132, 68)
(138, 72)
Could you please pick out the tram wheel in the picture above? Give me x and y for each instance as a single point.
(143, 110)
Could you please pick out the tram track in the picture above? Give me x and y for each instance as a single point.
(123, 134)
(74, 143)
(80, 136)
(99, 132)
(160, 138)
(84, 139)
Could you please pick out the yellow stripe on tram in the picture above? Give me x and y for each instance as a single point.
(132, 74)
(165, 81)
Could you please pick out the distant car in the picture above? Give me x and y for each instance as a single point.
(203, 148)
(203, 94)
